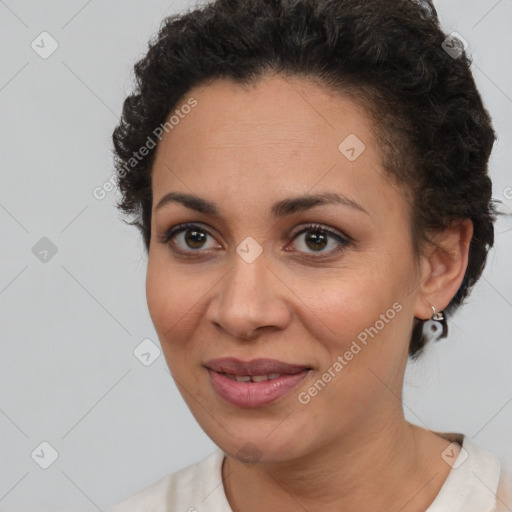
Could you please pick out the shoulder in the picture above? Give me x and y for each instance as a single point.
(472, 484)
(180, 490)
(504, 493)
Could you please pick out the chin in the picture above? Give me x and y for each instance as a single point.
(256, 440)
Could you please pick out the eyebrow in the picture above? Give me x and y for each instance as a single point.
(279, 209)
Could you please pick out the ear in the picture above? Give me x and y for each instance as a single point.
(443, 268)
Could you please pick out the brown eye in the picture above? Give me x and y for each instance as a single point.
(188, 238)
(315, 239)
(194, 239)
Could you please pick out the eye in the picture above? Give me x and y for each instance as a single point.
(188, 238)
(317, 238)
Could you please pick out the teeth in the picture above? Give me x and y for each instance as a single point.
(259, 378)
(253, 378)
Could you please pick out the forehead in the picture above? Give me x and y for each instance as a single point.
(273, 109)
(275, 134)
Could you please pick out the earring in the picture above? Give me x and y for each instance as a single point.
(437, 317)
(436, 326)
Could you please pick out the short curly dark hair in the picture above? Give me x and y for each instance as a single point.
(390, 55)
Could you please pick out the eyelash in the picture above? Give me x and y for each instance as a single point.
(344, 241)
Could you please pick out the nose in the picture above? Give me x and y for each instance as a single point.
(251, 299)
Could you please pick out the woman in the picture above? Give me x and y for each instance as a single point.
(310, 180)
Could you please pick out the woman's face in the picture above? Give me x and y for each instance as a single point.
(328, 288)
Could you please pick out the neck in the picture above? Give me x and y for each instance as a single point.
(397, 467)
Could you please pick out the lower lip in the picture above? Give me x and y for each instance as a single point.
(255, 394)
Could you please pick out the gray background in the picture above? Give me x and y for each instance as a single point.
(71, 320)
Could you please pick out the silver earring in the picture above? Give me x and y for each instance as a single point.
(437, 317)
(436, 326)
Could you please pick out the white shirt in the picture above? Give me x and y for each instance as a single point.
(471, 486)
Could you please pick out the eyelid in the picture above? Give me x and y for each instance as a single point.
(343, 239)
(171, 233)
(312, 226)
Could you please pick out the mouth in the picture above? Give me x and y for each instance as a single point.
(254, 367)
(252, 378)
(255, 383)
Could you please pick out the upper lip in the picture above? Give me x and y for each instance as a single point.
(259, 366)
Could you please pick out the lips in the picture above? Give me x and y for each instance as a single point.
(254, 383)
(233, 366)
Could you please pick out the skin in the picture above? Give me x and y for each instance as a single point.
(243, 148)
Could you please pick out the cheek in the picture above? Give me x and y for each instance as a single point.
(359, 330)
(362, 317)
(171, 299)
(339, 309)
